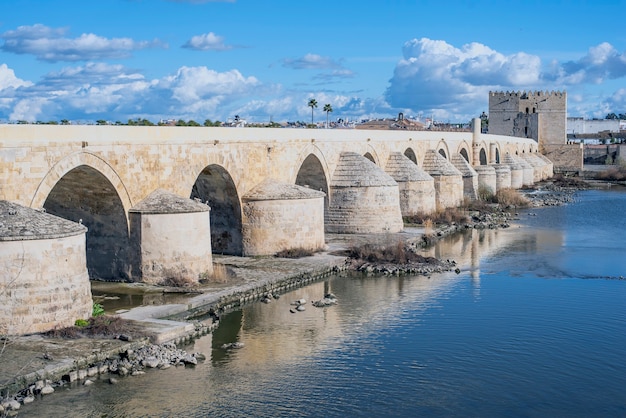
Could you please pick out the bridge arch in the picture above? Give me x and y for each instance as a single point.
(83, 188)
(72, 161)
(442, 149)
(311, 170)
(215, 185)
(464, 149)
(410, 154)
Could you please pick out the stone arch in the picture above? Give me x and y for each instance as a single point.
(370, 157)
(72, 161)
(410, 154)
(442, 149)
(215, 185)
(497, 159)
(313, 175)
(464, 154)
(85, 195)
(464, 150)
(482, 156)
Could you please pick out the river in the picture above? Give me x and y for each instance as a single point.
(533, 326)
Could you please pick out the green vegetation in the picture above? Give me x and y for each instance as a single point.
(312, 104)
(97, 310)
(81, 323)
(327, 108)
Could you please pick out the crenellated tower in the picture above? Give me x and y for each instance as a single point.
(539, 115)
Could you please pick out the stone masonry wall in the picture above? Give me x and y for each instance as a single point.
(45, 284)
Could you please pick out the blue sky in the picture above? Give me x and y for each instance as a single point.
(85, 60)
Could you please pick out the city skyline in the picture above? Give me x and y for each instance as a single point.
(203, 59)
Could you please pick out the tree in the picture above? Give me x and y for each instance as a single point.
(312, 105)
(611, 116)
(327, 108)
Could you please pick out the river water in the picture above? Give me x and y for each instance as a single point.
(533, 326)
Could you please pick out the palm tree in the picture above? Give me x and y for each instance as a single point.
(327, 108)
(312, 105)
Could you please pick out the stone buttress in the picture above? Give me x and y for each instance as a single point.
(417, 188)
(449, 186)
(503, 176)
(170, 239)
(44, 278)
(363, 198)
(470, 177)
(280, 216)
(517, 171)
(487, 178)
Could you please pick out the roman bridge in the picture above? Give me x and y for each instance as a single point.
(146, 203)
(96, 175)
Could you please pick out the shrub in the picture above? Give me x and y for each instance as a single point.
(613, 174)
(511, 198)
(296, 252)
(389, 252)
(221, 274)
(81, 323)
(485, 193)
(97, 310)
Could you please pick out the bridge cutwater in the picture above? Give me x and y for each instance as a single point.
(144, 203)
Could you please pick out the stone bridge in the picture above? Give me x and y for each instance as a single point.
(150, 197)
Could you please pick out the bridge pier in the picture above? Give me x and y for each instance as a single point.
(170, 239)
(280, 216)
(470, 177)
(43, 271)
(487, 178)
(417, 188)
(448, 180)
(503, 176)
(363, 198)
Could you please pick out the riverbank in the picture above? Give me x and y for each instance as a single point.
(35, 365)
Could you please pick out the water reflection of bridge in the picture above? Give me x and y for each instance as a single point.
(272, 334)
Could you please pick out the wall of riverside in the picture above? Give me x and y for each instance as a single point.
(275, 225)
(565, 158)
(45, 282)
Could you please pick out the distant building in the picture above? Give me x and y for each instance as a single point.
(578, 125)
(391, 124)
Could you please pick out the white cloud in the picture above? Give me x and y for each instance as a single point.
(207, 42)
(439, 78)
(311, 61)
(9, 80)
(48, 44)
(195, 83)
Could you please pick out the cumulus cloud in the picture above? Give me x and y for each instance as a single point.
(9, 80)
(435, 76)
(601, 62)
(51, 44)
(114, 92)
(207, 42)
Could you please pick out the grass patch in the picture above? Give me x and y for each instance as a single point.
(510, 198)
(390, 252)
(445, 216)
(296, 252)
(221, 274)
(102, 326)
(617, 173)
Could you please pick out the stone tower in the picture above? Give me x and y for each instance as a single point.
(539, 115)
